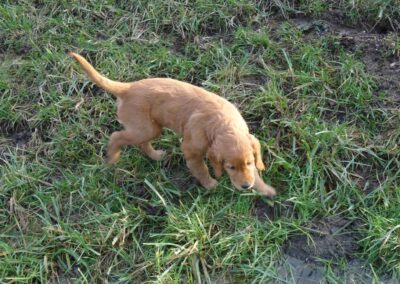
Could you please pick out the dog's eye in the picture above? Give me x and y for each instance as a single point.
(248, 163)
(231, 167)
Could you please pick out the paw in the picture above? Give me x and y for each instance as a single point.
(260, 166)
(158, 155)
(212, 183)
(112, 159)
(266, 190)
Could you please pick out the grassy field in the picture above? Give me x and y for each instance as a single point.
(317, 82)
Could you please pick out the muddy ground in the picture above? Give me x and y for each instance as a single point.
(373, 48)
(328, 240)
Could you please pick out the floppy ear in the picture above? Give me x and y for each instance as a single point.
(257, 153)
(215, 160)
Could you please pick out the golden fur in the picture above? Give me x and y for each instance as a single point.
(209, 124)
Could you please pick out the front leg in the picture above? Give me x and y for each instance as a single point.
(262, 187)
(194, 161)
(215, 163)
(199, 170)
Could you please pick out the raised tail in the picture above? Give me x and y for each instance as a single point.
(113, 87)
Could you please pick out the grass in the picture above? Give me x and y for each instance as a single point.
(330, 142)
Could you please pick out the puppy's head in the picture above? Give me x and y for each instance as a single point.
(240, 156)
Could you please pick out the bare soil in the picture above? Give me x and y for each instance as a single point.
(375, 48)
(328, 240)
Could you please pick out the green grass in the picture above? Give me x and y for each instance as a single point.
(330, 145)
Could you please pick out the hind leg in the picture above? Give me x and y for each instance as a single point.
(117, 140)
(140, 137)
(156, 155)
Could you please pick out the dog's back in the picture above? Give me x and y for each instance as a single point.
(172, 103)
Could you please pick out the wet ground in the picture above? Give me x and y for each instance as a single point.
(320, 246)
(374, 47)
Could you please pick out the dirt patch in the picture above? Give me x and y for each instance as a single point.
(178, 174)
(205, 42)
(338, 16)
(178, 46)
(21, 138)
(141, 196)
(90, 89)
(12, 47)
(386, 69)
(14, 139)
(23, 49)
(376, 49)
(367, 179)
(61, 275)
(253, 82)
(151, 210)
(300, 272)
(330, 238)
(371, 48)
(263, 210)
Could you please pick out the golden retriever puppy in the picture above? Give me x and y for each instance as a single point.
(209, 124)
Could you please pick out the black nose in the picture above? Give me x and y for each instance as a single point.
(245, 186)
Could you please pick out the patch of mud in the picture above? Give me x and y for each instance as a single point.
(143, 199)
(254, 124)
(178, 174)
(331, 238)
(59, 273)
(103, 36)
(14, 49)
(263, 210)
(89, 88)
(300, 272)
(205, 42)
(370, 49)
(367, 179)
(376, 49)
(21, 138)
(14, 139)
(22, 50)
(253, 82)
(178, 47)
